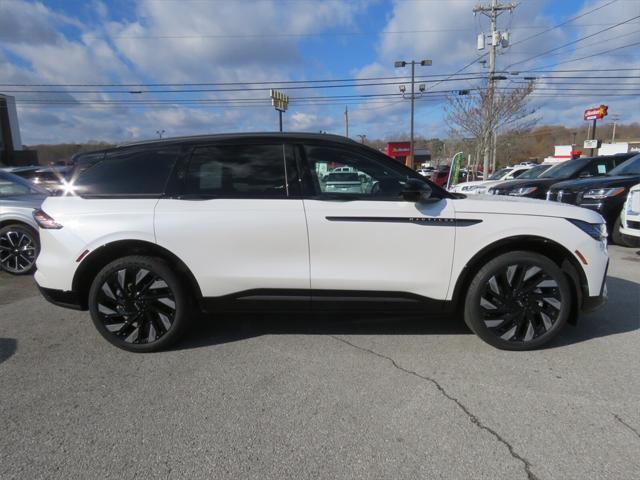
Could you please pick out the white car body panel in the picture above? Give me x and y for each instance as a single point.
(631, 212)
(380, 255)
(236, 245)
(87, 225)
(527, 217)
(233, 245)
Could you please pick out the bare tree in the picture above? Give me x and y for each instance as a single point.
(482, 114)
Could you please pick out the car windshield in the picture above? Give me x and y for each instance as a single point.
(342, 177)
(11, 185)
(534, 172)
(566, 169)
(500, 173)
(630, 167)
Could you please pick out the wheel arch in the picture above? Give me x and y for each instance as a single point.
(5, 222)
(544, 246)
(98, 258)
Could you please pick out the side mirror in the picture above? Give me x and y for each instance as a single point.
(416, 191)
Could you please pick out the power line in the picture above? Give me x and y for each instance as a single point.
(572, 42)
(593, 54)
(239, 89)
(436, 78)
(563, 23)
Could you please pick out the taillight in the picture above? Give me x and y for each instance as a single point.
(45, 221)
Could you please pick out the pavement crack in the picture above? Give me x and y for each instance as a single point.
(472, 418)
(635, 432)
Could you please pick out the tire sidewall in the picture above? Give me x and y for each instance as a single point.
(159, 267)
(472, 312)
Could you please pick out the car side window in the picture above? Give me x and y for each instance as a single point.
(142, 171)
(241, 171)
(517, 173)
(342, 174)
(8, 188)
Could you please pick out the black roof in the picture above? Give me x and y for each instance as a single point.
(303, 136)
(252, 135)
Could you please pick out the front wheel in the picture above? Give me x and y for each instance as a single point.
(139, 304)
(518, 301)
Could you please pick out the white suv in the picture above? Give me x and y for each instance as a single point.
(148, 232)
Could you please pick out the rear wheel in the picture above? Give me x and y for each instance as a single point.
(19, 247)
(518, 301)
(139, 304)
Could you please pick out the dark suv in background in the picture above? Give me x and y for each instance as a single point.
(571, 169)
(605, 194)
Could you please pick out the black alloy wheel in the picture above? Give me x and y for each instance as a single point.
(19, 249)
(518, 301)
(137, 304)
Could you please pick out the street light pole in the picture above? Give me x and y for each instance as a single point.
(402, 63)
(362, 137)
(160, 133)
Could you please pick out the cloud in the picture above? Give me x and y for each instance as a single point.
(30, 23)
(266, 40)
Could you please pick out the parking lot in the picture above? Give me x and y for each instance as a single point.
(322, 398)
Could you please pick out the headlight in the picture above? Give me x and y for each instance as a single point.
(600, 193)
(597, 231)
(469, 188)
(522, 191)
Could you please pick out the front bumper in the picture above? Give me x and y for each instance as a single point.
(590, 304)
(63, 299)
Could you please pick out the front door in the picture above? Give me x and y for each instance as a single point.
(363, 238)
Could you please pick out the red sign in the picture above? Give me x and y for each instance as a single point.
(596, 113)
(398, 149)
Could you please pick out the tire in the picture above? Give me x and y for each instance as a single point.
(518, 301)
(19, 248)
(620, 239)
(139, 304)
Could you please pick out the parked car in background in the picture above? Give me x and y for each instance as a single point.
(631, 214)
(242, 221)
(50, 178)
(342, 182)
(503, 174)
(570, 169)
(606, 194)
(19, 240)
(426, 171)
(440, 176)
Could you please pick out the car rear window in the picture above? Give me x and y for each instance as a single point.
(342, 177)
(238, 171)
(129, 172)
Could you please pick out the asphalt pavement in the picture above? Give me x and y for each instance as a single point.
(276, 398)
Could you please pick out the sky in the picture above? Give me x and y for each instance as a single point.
(123, 70)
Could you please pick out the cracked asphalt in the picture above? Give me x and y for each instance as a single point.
(271, 398)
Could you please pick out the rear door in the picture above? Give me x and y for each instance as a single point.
(238, 221)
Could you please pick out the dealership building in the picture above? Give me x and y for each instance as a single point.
(401, 151)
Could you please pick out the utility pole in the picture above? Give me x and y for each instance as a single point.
(413, 63)
(346, 121)
(615, 119)
(497, 38)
